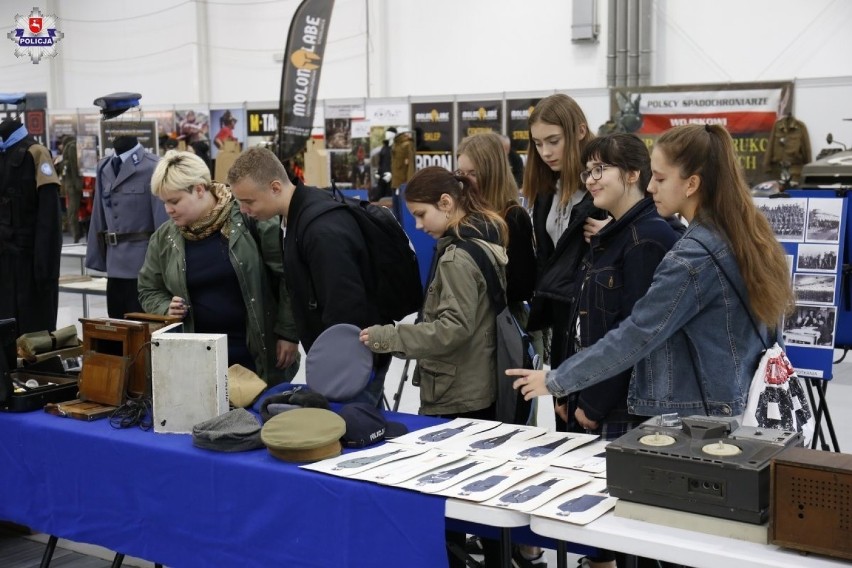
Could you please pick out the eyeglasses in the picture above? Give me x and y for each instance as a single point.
(595, 173)
(470, 174)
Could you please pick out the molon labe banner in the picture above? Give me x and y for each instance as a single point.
(747, 110)
(479, 116)
(303, 61)
(433, 129)
(517, 124)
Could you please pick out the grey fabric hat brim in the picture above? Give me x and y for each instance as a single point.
(338, 365)
(235, 431)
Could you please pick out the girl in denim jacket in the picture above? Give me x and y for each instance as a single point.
(689, 338)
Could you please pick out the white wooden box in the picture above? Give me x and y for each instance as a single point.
(189, 378)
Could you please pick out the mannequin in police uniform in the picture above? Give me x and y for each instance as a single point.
(124, 214)
(30, 230)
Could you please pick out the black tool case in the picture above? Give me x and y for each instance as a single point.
(15, 395)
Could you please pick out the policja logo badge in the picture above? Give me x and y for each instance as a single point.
(35, 35)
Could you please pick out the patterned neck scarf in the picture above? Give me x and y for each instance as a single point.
(219, 218)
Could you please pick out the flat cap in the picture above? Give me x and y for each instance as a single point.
(234, 431)
(304, 435)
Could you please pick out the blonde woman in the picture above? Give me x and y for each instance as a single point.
(208, 267)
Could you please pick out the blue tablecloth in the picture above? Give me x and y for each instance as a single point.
(157, 497)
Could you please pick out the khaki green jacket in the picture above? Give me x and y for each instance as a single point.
(402, 159)
(164, 275)
(455, 343)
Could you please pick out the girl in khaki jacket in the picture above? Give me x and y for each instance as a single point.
(454, 341)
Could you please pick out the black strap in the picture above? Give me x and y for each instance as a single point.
(734, 287)
(492, 281)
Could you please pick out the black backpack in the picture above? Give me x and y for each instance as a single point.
(514, 345)
(396, 273)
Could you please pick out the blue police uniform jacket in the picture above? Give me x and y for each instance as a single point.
(123, 204)
(690, 339)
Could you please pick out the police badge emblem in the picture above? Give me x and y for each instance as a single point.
(35, 35)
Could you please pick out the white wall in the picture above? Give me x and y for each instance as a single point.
(223, 51)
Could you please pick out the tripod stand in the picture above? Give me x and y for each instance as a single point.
(397, 397)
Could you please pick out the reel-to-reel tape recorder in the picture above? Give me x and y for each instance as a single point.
(705, 465)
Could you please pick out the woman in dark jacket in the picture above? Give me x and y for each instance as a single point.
(559, 133)
(616, 271)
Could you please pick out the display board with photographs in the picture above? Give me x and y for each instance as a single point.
(810, 227)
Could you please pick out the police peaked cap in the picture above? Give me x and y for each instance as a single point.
(12, 98)
(115, 104)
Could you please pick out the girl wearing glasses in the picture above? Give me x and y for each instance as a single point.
(690, 340)
(616, 271)
(561, 206)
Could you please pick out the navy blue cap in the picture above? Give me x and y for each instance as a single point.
(366, 425)
(12, 98)
(298, 397)
(115, 104)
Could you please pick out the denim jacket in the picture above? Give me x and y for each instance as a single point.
(691, 342)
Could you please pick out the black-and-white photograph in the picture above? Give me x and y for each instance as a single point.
(786, 216)
(816, 258)
(810, 326)
(824, 220)
(814, 288)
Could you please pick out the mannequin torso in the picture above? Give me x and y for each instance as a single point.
(122, 144)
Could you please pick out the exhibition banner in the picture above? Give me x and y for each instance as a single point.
(262, 122)
(380, 113)
(303, 60)
(433, 126)
(479, 116)
(517, 123)
(144, 130)
(747, 110)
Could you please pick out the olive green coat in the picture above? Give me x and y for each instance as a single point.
(164, 275)
(455, 343)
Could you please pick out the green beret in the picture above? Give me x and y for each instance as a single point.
(304, 435)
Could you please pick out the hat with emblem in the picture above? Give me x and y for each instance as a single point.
(304, 435)
(339, 366)
(115, 104)
(366, 425)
